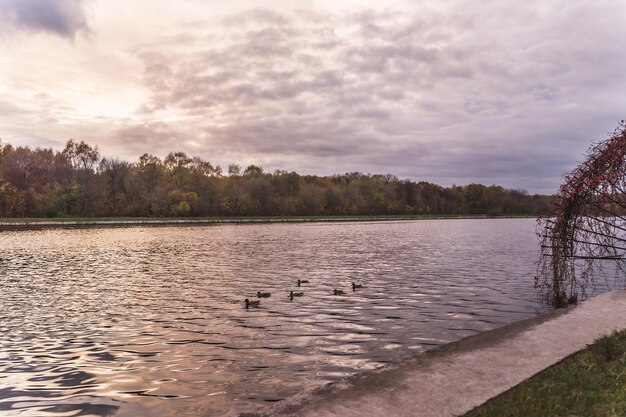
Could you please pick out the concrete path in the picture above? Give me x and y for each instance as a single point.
(455, 378)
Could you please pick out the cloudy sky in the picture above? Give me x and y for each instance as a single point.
(508, 92)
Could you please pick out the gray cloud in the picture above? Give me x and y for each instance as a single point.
(500, 92)
(62, 17)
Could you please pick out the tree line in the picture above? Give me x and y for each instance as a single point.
(77, 181)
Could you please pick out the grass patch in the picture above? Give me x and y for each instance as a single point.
(258, 218)
(589, 383)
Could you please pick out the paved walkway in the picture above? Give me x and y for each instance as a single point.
(452, 380)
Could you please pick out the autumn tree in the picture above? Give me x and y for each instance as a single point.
(76, 181)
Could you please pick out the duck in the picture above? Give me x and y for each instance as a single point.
(355, 286)
(338, 292)
(263, 294)
(295, 294)
(303, 281)
(249, 303)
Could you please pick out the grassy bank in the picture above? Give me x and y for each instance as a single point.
(268, 219)
(589, 383)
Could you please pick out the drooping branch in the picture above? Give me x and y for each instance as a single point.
(587, 226)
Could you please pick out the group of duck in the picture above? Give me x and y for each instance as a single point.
(257, 303)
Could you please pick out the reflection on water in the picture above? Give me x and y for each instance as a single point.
(150, 321)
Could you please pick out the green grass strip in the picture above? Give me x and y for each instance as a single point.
(257, 218)
(591, 382)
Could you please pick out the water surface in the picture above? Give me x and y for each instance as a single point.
(150, 320)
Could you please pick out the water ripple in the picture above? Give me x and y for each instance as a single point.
(150, 321)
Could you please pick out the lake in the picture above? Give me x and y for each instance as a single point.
(150, 321)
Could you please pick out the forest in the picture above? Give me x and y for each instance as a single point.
(77, 181)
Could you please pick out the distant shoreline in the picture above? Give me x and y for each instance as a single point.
(165, 221)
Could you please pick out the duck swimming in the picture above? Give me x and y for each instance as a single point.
(295, 294)
(303, 281)
(263, 294)
(249, 303)
(355, 286)
(338, 292)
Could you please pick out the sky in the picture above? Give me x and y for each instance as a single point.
(449, 91)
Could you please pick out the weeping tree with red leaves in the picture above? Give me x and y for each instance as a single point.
(584, 240)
